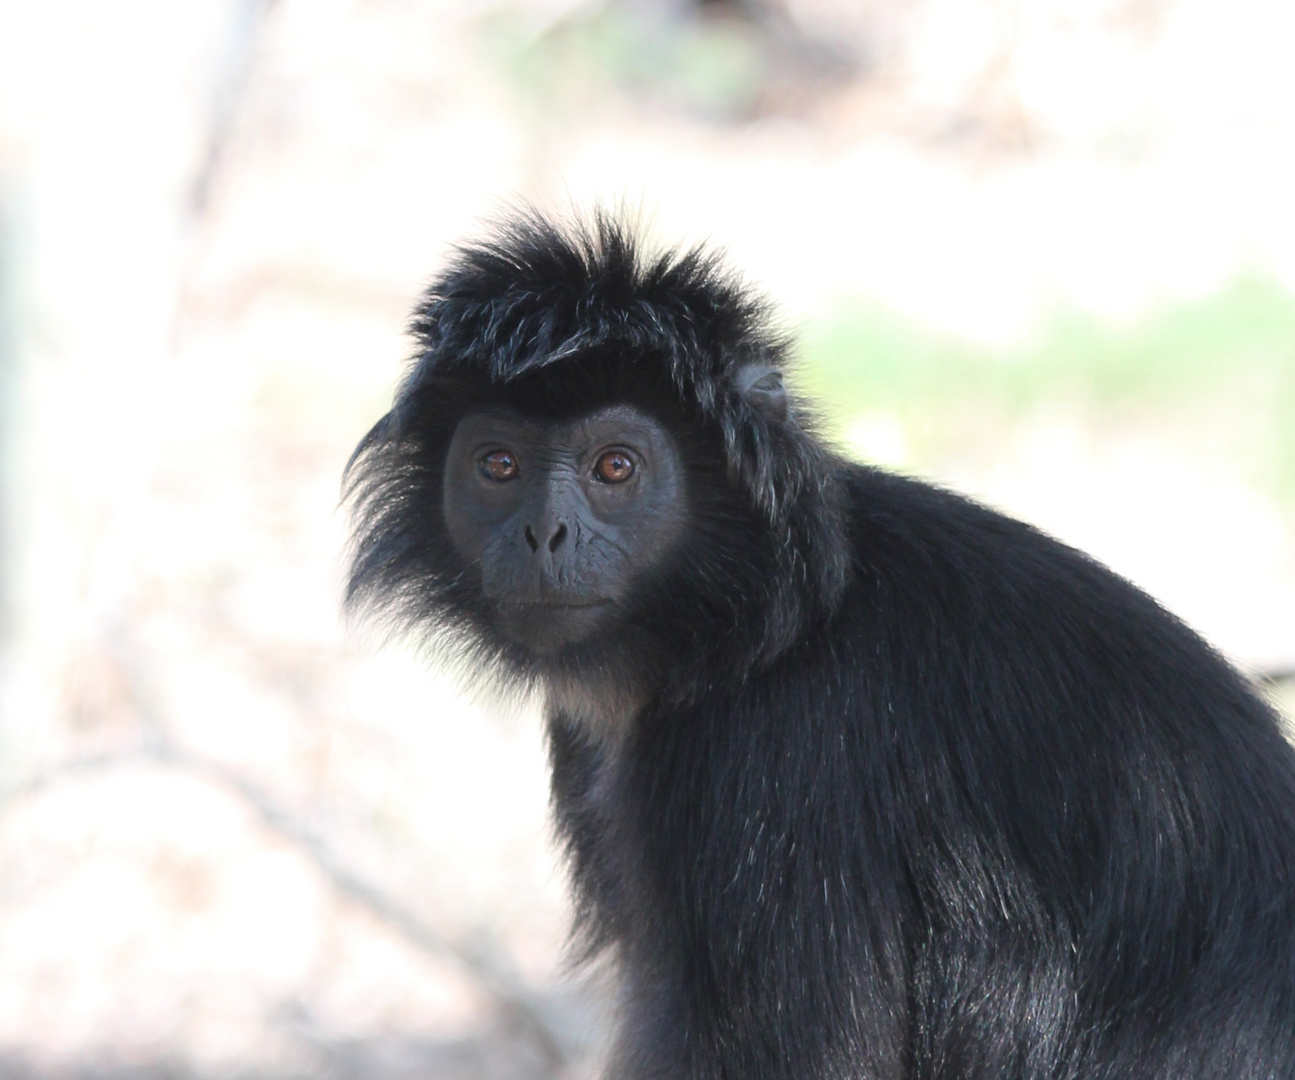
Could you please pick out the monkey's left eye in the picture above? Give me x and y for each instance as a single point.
(499, 465)
(614, 467)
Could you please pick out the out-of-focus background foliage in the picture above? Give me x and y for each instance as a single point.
(1040, 250)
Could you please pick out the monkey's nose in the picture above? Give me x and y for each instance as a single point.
(555, 540)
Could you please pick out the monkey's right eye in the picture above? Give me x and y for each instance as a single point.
(500, 466)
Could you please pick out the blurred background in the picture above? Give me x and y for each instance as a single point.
(1042, 251)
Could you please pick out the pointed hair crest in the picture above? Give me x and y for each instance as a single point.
(537, 293)
(544, 315)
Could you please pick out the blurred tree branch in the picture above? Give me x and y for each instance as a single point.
(519, 1007)
(231, 85)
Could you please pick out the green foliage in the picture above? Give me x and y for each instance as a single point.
(1226, 361)
(711, 67)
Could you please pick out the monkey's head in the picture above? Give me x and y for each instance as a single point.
(593, 469)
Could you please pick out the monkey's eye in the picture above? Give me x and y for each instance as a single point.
(614, 467)
(500, 466)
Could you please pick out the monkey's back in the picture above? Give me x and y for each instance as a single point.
(1099, 811)
(1021, 823)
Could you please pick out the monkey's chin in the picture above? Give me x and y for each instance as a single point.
(545, 627)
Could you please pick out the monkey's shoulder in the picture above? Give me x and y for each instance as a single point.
(920, 544)
(951, 598)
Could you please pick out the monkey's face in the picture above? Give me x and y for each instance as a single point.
(562, 518)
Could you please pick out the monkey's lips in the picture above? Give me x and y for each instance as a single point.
(545, 624)
(557, 604)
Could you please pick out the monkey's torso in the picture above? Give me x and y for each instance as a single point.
(860, 781)
(1024, 824)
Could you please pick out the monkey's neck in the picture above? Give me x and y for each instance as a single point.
(602, 705)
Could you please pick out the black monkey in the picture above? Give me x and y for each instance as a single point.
(858, 779)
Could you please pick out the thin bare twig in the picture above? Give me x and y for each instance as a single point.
(234, 76)
(1275, 676)
(515, 1002)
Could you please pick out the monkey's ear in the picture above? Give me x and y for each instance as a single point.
(761, 387)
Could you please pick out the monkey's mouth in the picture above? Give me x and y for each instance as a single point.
(545, 625)
(556, 605)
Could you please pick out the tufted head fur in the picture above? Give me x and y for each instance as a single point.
(556, 319)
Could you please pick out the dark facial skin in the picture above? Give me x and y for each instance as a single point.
(562, 517)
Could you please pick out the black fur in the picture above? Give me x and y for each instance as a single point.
(918, 792)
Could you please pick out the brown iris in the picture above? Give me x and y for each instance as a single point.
(499, 465)
(614, 467)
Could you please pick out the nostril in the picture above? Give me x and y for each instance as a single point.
(530, 539)
(559, 534)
